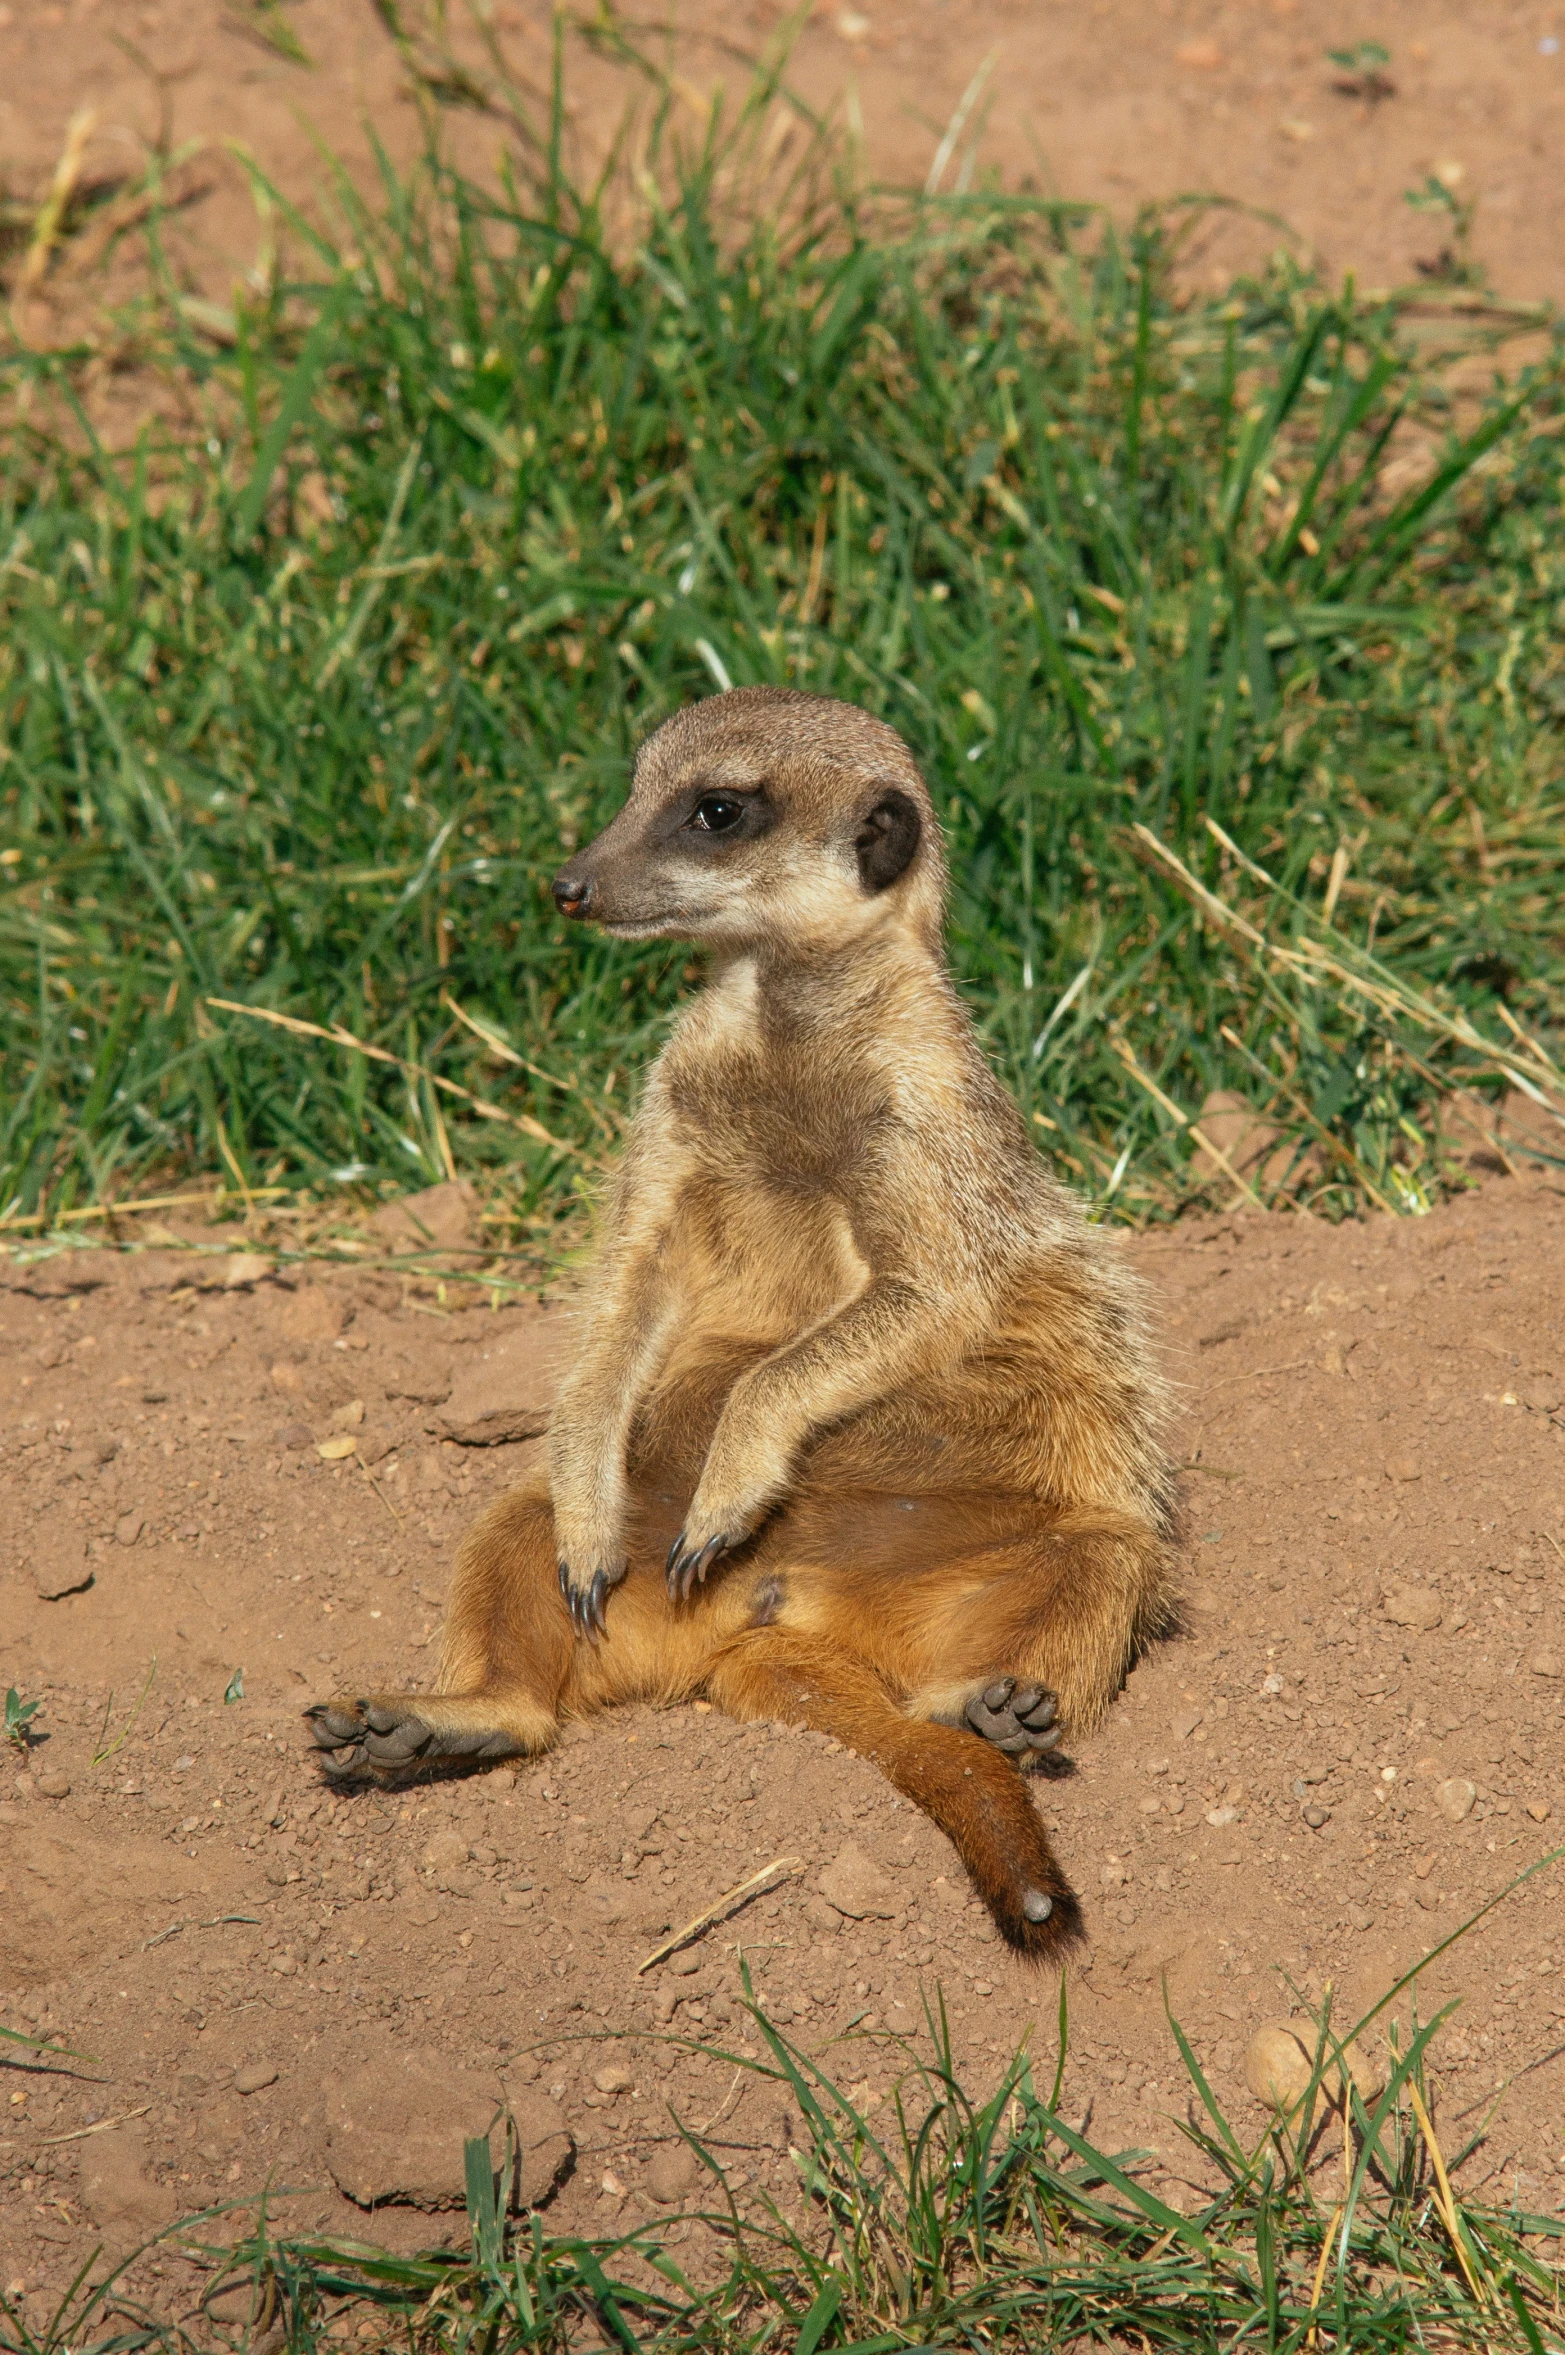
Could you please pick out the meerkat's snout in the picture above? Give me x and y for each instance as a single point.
(762, 815)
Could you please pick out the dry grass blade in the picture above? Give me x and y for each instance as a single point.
(1313, 961)
(358, 1046)
(1144, 1079)
(208, 1200)
(782, 1868)
(50, 224)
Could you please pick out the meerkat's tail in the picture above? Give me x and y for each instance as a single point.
(973, 1792)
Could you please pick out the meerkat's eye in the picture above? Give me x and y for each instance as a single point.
(717, 813)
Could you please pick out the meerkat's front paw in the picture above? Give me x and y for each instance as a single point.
(587, 1592)
(711, 1530)
(589, 1539)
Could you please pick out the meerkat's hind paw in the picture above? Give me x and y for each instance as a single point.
(1020, 1719)
(387, 1737)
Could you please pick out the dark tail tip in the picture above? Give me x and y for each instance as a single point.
(1040, 1925)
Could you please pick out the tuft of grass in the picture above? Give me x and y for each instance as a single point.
(928, 2217)
(305, 701)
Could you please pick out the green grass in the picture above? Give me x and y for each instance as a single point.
(303, 703)
(937, 2219)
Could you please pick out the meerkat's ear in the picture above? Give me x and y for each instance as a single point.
(888, 840)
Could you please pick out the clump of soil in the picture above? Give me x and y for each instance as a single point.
(1356, 1740)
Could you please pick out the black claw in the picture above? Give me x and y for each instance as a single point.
(686, 1570)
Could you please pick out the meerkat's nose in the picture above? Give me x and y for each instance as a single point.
(572, 893)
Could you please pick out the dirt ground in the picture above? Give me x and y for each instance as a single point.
(1115, 103)
(1357, 1740)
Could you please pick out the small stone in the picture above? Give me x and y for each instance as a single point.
(296, 1435)
(255, 2077)
(52, 1786)
(125, 2203)
(128, 1528)
(1402, 1468)
(62, 1567)
(505, 1390)
(1184, 1725)
(349, 1417)
(685, 1963)
(1544, 1664)
(857, 1888)
(1316, 1816)
(441, 1218)
(1412, 1606)
(1220, 1817)
(314, 1314)
(1454, 1798)
(613, 2080)
(1279, 2062)
(672, 2173)
(288, 1377)
(396, 2126)
(243, 1268)
(1538, 1809)
(333, 1451)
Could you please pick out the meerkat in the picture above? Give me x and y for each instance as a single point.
(865, 1428)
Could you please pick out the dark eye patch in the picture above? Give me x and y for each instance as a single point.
(713, 817)
(717, 813)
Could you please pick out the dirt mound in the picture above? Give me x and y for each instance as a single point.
(1357, 1739)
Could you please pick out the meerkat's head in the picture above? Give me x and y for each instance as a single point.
(762, 819)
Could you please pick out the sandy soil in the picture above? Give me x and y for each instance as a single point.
(280, 1982)
(1117, 103)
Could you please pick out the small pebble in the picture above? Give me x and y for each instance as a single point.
(128, 1528)
(296, 1435)
(672, 2173)
(53, 1786)
(1455, 1797)
(613, 2080)
(1412, 1606)
(685, 1963)
(253, 2078)
(1315, 1816)
(63, 1568)
(244, 1268)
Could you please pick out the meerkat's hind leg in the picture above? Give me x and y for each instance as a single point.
(388, 1736)
(974, 1795)
(1017, 1716)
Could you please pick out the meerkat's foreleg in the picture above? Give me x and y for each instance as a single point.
(853, 1358)
(632, 1318)
(973, 1793)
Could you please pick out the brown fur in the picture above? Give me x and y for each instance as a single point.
(854, 1357)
